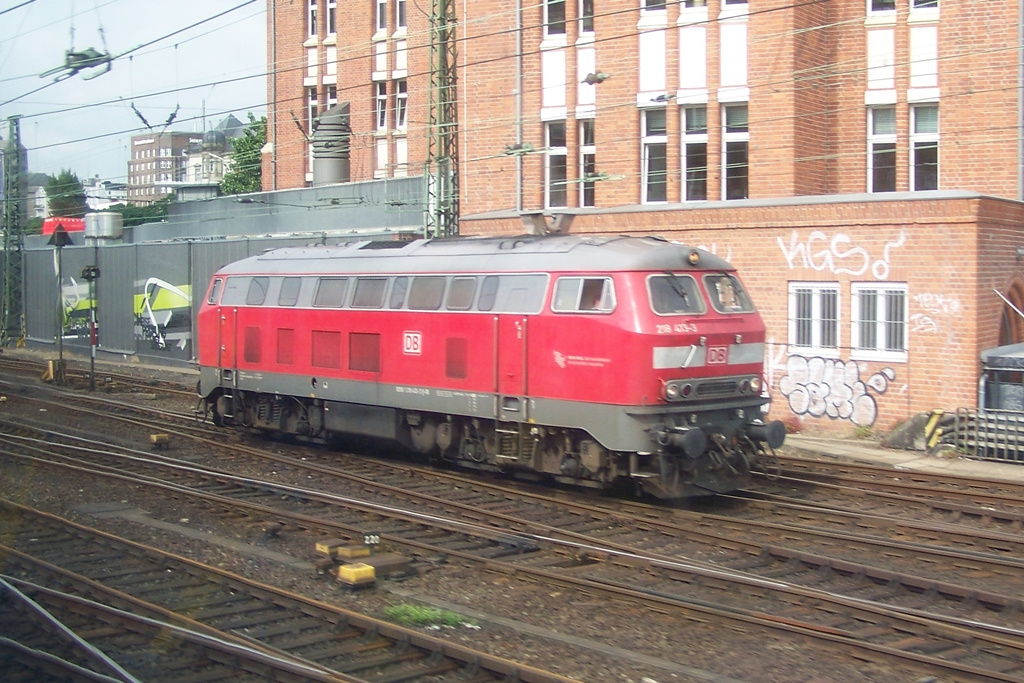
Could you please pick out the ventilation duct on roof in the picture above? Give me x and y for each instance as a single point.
(331, 137)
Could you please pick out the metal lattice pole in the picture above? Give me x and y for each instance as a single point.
(442, 172)
(14, 208)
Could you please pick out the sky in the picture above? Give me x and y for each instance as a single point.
(169, 56)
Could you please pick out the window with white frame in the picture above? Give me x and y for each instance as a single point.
(588, 163)
(332, 96)
(382, 15)
(586, 13)
(924, 147)
(695, 3)
(401, 104)
(380, 105)
(554, 18)
(311, 109)
(735, 159)
(556, 172)
(332, 17)
(311, 18)
(735, 2)
(882, 5)
(922, 4)
(814, 317)
(695, 153)
(882, 149)
(399, 13)
(654, 178)
(879, 320)
(653, 5)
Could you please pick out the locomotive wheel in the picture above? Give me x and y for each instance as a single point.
(424, 436)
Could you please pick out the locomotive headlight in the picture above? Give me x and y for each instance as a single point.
(755, 385)
(694, 258)
(671, 391)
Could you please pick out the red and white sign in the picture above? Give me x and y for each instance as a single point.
(412, 343)
(718, 355)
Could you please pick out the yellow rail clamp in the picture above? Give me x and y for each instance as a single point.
(161, 441)
(329, 546)
(356, 575)
(350, 551)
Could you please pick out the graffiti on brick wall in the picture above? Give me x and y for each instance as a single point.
(833, 388)
(838, 255)
(936, 308)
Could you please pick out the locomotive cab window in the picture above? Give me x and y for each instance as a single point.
(215, 291)
(673, 294)
(257, 293)
(583, 294)
(235, 290)
(330, 292)
(398, 291)
(727, 294)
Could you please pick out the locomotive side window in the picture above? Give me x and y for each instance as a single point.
(673, 294)
(574, 294)
(369, 292)
(398, 291)
(727, 294)
(215, 291)
(521, 293)
(257, 292)
(330, 292)
(460, 294)
(289, 294)
(426, 293)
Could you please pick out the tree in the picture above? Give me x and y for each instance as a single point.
(138, 215)
(65, 195)
(246, 174)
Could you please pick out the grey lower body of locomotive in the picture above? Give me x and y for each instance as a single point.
(673, 451)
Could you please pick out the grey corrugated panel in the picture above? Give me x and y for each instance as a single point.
(116, 298)
(40, 286)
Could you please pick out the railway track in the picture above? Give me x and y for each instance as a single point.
(593, 562)
(938, 622)
(254, 626)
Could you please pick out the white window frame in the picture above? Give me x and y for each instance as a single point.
(734, 137)
(822, 330)
(559, 153)
(653, 6)
(381, 15)
(877, 138)
(556, 27)
(401, 89)
(887, 324)
(380, 105)
(648, 142)
(585, 12)
(919, 138)
(932, 5)
(400, 16)
(332, 17)
(311, 28)
(874, 7)
(332, 96)
(587, 160)
(694, 137)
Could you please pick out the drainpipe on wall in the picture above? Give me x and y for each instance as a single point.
(273, 93)
(1020, 100)
(519, 104)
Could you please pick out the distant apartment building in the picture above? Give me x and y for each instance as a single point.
(157, 159)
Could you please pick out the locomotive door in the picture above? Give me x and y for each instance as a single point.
(510, 343)
(226, 337)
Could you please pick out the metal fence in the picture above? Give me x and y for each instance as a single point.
(988, 435)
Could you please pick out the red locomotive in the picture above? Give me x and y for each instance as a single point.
(591, 360)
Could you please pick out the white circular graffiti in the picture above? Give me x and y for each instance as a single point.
(828, 387)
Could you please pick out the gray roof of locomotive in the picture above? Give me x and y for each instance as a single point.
(551, 253)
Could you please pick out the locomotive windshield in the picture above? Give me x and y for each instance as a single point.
(673, 294)
(727, 294)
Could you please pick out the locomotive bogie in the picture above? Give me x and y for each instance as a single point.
(501, 355)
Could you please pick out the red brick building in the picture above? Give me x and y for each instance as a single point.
(858, 160)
